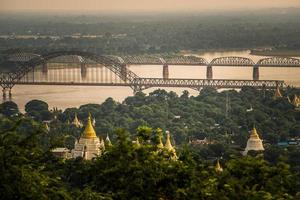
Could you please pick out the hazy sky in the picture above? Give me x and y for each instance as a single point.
(143, 5)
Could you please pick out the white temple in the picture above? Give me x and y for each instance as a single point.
(89, 145)
(254, 143)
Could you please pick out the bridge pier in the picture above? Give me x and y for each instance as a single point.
(165, 71)
(4, 94)
(83, 69)
(255, 72)
(124, 72)
(9, 94)
(45, 68)
(209, 72)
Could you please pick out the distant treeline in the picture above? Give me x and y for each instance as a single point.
(153, 34)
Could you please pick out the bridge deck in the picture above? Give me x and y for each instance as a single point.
(144, 83)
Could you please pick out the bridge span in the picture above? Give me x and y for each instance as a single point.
(113, 71)
(230, 61)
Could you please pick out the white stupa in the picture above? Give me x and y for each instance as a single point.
(76, 122)
(254, 143)
(89, 145)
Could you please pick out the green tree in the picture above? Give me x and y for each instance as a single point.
(36, 105)
(9, 108)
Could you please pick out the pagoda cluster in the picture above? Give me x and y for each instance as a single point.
(90, 145)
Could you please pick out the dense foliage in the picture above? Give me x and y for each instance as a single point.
(130, 171)
(198, 117)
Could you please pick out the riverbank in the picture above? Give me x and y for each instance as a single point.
(276, 52)
(204, 51)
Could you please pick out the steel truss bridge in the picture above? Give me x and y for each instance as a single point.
(99, 70)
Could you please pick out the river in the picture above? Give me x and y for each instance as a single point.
(74, 96)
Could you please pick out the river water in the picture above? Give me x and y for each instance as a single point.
(74, 96)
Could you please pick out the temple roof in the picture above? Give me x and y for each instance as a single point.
(89, 131)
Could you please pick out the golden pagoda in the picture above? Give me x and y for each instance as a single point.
(89, 145)
(277, 93)
(76, 122)
(296, 101)
(218, 167)
(89, 131)
(254, 143)
(169, 147)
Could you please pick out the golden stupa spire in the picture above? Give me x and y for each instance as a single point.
(168, 144)
(218, 167)
(89, 131)
(170, 148)
(254, 134)
(277, 93)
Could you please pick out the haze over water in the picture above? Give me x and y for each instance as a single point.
(74, 96)
(142, 5)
